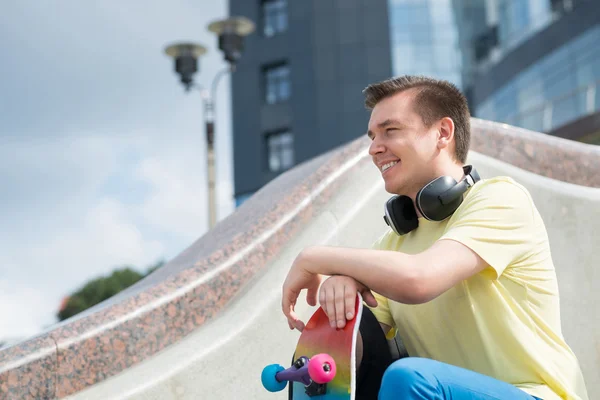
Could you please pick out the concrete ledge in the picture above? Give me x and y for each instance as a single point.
(207, 279)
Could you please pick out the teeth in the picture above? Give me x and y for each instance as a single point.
(388, 165)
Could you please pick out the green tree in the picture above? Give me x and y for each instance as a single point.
(99, 289)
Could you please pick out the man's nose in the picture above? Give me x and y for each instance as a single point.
(376, 147)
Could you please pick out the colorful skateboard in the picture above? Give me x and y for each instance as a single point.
(324, 364)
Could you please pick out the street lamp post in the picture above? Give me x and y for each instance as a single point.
(230, 33)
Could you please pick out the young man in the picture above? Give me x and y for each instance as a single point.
(473, 294)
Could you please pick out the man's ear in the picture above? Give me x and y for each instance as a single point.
(445, 132)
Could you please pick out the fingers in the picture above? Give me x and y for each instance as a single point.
(323, 296)
(337, 297)
(288, 303)
(295, 324)
(332, 298)
(369, 298)
(327, 301)
(330, 305)
(367, 295)
(299, 325)
(311, 296)
(340, 305)
(350, 301)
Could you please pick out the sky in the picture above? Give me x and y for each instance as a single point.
(102, 152)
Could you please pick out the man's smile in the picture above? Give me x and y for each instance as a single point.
(387, 166)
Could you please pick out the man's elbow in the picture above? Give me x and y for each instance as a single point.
(424, 294)
(419, 294)
(416, 288)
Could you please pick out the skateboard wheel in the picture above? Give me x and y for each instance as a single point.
(321, 368)
(269, 378)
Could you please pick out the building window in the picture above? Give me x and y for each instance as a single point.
(277, 83)
(274, 16)
(280, 151)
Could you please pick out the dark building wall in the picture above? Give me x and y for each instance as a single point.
(334, 50)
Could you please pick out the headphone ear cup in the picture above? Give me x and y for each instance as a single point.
(401, 215)
(429, 202)
(441, 197)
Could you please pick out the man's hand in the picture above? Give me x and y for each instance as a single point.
(299, 278)
(338, 297)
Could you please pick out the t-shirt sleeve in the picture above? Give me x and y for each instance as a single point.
(382, 312)
(496, 221)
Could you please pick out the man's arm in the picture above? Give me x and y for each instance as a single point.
(405, 278)
(401, 277)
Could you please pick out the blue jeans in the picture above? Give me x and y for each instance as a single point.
(415, 378)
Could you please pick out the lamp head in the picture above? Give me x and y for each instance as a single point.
(231, 33)
(186, 60)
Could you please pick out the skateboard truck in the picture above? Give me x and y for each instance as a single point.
(313, 373)
(316, 389)
(313, 388)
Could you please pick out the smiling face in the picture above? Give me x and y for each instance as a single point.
(408, 153)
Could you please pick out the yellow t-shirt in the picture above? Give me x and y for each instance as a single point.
(505, 321)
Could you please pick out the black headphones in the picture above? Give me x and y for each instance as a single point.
(436, 201)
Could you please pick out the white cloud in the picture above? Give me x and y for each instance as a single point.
(179, 198)
(23, 309)
(107, 237)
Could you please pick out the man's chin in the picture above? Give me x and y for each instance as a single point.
(396, 189)
(393, 189)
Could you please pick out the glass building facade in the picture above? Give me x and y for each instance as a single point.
(557, 89)
(439, 38)
(424, 39)
(518, 20)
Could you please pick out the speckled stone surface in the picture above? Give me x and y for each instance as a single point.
(28, 371)
(553, 157)
(194, 287)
